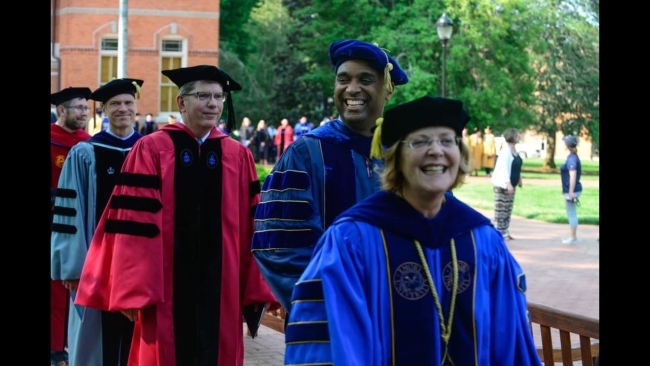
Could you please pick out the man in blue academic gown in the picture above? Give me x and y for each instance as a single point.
(325, 171)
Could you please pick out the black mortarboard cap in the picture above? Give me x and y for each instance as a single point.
(185, 75)
(117, 87)
(424, 112)
(67, 94)
(380, 60)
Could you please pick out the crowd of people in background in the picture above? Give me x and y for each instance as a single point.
(268, 142)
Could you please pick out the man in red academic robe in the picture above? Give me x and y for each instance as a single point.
(172, 249)
(72, 110)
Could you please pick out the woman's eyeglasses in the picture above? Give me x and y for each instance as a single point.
(424, 144)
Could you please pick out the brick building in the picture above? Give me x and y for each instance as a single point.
(162, 34)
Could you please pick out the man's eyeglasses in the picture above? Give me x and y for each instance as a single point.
(80, 108)
(425, 144)
(205, 96)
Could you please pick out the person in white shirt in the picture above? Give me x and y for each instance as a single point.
(505, 177)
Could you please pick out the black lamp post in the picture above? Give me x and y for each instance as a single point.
(445, 27)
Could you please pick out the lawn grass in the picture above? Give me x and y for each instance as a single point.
(590, 168)
(540, 202)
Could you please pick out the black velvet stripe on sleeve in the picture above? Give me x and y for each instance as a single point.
(136, 203)
(65, 211)
(139, 180)
(255, 188)
(66, 193)
(131, 228)
(308, 291)
(307, 332)
(65, 229)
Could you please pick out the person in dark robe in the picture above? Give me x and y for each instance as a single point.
(72, 110)
(172, 249)
(89, 174)
(149, 125)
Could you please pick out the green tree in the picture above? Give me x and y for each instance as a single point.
(233, 14)
(316, 25)
(567, 74)
(269, 22)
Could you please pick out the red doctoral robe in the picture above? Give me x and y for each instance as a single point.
(175, 242)
(61, 141)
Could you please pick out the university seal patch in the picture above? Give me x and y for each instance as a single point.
(212, 160)
(186, 157)
(410, 281)
(464, 276)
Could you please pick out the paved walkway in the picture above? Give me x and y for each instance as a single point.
(558, 275)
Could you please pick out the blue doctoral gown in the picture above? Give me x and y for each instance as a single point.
(318, 177)
(365, 298)
(87, 179)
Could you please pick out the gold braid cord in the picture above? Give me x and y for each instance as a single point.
(445, 330)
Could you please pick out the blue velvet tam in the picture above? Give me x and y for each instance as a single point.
(69, 93)
(117, 87)
(424, 112)
(351, 49)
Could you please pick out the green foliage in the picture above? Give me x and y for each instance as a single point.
(268, 76)
(489, 66)
(232, 14)
(514, 63)
(262, 172)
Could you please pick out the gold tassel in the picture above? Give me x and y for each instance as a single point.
(137, 89)
(375, 147)
(388, 85)
(389, 67)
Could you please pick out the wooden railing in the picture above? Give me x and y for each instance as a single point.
(567, 324)
(549, 321)
(275, 320)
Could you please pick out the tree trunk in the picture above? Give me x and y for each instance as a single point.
(549, 159)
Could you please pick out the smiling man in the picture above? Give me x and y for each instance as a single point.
(172, 249)
(327, 170)
(89, 174)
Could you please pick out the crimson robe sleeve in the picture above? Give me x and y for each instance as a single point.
(124, 267)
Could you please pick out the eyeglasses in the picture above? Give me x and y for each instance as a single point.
(205, 96)
(425, 144)
(80, 108)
